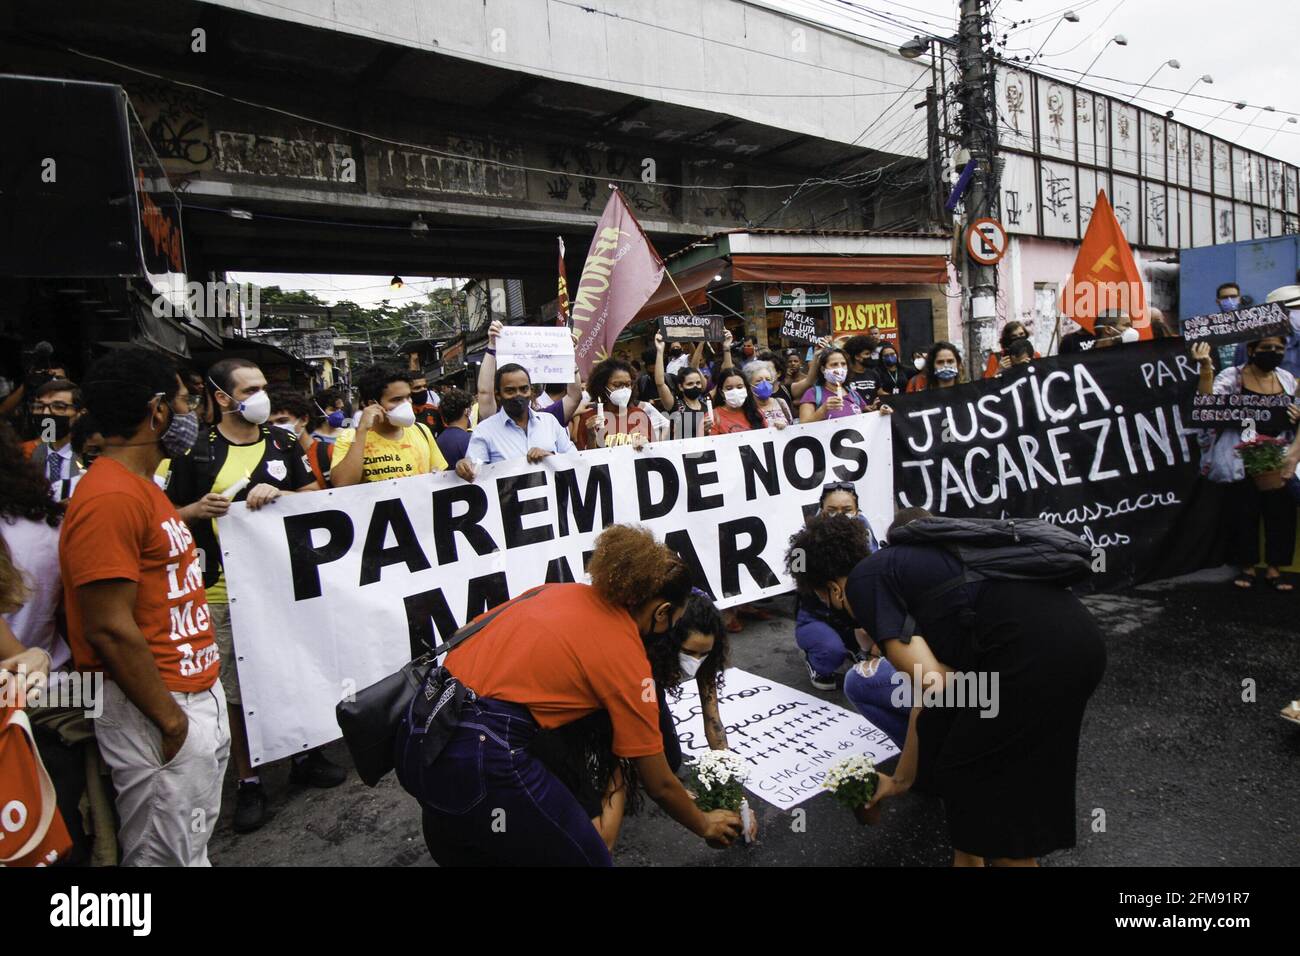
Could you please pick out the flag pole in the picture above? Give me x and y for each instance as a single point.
(667, 272)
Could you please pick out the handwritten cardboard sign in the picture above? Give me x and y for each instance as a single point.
(546, 351)
(802, 326)
(1222, 411)
(789, 739)
(1244, 325)
(691, 328)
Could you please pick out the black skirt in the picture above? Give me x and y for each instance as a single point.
(1008, 780)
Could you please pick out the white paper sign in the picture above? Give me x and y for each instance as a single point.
(790, 739)
(330, 591)
(546, 351)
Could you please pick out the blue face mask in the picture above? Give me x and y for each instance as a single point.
(890, 359)
(1231, 304)
(763, 391)
(946, 374)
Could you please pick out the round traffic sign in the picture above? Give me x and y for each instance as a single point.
(986, 241)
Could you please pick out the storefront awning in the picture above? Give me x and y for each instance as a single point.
(840, 270)
(691, 282)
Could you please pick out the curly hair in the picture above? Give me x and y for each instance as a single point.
(286, 399)
(122, 383)
(455, 404)
(629, 567)
(374, 380)
(14, 590)
(700, 615)
(826, 548)
(24, 490)
(598, 384)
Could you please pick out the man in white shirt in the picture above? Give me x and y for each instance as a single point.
(517, 430)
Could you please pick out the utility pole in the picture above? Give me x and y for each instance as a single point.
(979, 133)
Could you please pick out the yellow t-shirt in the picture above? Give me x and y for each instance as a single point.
(414, 453)
(241, 461)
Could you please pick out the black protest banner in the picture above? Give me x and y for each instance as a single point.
(1244, 325)
(1094, 443)
(691, 328)
(803, 326)
(1233, 408)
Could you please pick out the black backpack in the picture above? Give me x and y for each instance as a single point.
(1003, 549)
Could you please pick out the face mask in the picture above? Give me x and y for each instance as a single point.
(748, 351)
(621, 396)
(690, 665)
(62, 425)
(763, 390)
(890, 359)
(180, 434)
(255, 411)
(735, 397)
(918, 363)
(586, 396)
(291, 427)
(1230, 304)
(420, 396)
(334, 419)
(403, 416)
(1129, 336)
(945, 374)
(1267, 360)
(836, 375)
(693, 392)
(515, 407)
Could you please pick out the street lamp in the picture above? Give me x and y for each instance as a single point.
(1172, 64)
(1219, 116)
(1118, 39)
(1289, 119)
(1245, 129)
(1070, 17)
(918, 45)
(1204, 78)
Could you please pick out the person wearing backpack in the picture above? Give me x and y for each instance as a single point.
(956, 604)
(388, 442)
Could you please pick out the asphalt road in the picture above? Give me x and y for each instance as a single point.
(1185, 770)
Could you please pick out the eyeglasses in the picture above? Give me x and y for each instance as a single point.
(191, 400)
(53, 408)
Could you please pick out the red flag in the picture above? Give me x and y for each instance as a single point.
(1105, 277)
(621, 273)
(562, 299)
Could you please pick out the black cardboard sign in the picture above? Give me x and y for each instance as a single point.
(1244, 325)
(691, 328)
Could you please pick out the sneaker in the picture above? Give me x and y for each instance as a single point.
(250, 807)
(821, 681)
(317, 771)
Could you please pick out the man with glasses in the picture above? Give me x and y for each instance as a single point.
(56, 406)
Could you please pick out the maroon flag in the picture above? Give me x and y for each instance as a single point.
(562, 298)
(621, 273)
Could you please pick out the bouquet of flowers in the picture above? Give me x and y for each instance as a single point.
(1263, 456)
(717, 779)
(853, 783)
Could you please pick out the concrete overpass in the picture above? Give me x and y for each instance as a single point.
(309, 135)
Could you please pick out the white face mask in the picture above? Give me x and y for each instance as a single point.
(256, 410)
(403, 416)
(735, 397)
(1130, 335)
(621, 396)
(690, 665)
(836, 375)
(919, 363)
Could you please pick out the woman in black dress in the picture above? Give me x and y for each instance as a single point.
(1005, 762)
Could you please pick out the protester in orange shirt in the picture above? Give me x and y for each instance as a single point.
(137, 610)
(552, 656)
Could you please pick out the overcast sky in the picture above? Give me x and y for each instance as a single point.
(1251, 49)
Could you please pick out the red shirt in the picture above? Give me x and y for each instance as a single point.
(120, 526)
(565, 653)
(727, 420)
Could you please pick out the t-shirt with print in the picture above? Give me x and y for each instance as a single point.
(214, 464)
(564, 652)
(121, 526)
(865, 385)
(414, 452)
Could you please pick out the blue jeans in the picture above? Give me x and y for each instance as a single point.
(874, 699)
(488, 802)
(822, 645)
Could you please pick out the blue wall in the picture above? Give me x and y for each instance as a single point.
(1258, 267)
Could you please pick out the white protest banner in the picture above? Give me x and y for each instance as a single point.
(545, 350)
(788, 738)
(331, 591)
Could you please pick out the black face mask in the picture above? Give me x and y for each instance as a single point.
(1267, 361)
(420, 396)
(516, 407)
(693, 392)
(62, 425)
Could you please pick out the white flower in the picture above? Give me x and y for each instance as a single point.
(720, 767)
(857, 767)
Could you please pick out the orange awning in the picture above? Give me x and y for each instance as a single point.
(692, 282)
(840, 270)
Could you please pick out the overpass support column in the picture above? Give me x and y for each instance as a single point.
(755, 312)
